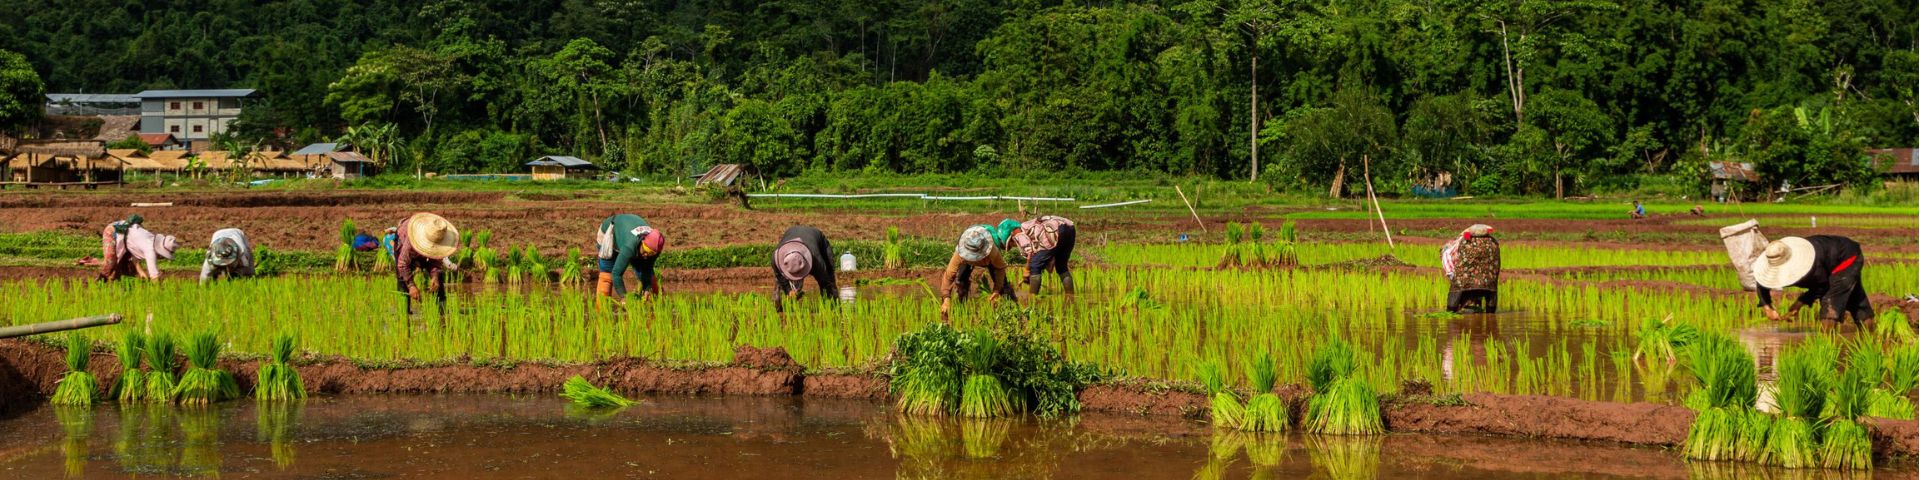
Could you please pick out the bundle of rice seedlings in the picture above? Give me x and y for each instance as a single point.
(1265, 411)
(893, 253)
(1349, 407)
(1752, 437)
(130, 388)
(483, 260)
(1892, 327)
(382, 261)
(1725, 374)
(1232, 255)
(1845, 444)
(1330, 362)
(204, 383)
(159, 376)
(1663, 339)
(584, 394)
(570, 274)
(1902, 370)
(928, 390)
(534, 266)
(276, 380)
(1285, 254)
(343, 255)
(77, 387)
(1226, 409)
(1255, 252)
(982, 395)
(1800, 392)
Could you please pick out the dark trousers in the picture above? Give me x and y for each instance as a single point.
(1487, 300)
(1844, 296)
(963, 283)
(439, 278)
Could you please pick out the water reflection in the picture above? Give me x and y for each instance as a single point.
(1345, 456)
(275, 425)
(199, 440)
(76, 426)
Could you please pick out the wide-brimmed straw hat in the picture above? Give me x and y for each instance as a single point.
(163, 246)
(225, 251)
(975, 243)
(1784, 262)
(794, 260)
(432, 236)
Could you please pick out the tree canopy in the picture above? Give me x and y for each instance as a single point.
(1501, 96)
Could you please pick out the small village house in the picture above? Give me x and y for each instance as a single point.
(1896, 165)
(556, 167)
(161, 141)
(192, 116)
(1729, 179)
(348, 165)
(63, 164)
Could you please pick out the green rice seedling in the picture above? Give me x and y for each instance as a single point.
(927, 380)
(1350, 406)
(343, 254)
(159, 376)
(982, 394)
(1725, 373)
(204, 383)
(1285, 252)
(1331, 362)
(1255, 251)
(1715, 434)
(570, 273)
(1845, 444)
(1903, 369)
(76, 388)
(1224, 406)
(1663, 339)
(1891, 326)
(1752, 437)
(1800, 392)
(1233, 253)
(584, 394)
(893, 253)
(277, 381)
(1265, 411)
(130, 387)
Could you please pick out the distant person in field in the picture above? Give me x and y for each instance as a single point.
(1472, 264)
(228, 256)
(624, 241)
(1827, 266)
(426, 241)
(128, 248)
(803, 252)
(1639, 211)
(1047, 243)
(978, 248)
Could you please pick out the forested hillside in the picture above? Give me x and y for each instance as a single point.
(1516, 96)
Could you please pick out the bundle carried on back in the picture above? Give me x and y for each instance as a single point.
(1744, 242)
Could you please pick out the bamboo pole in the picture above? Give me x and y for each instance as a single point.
(1366, 166)
(59, 325)
(1196, 213)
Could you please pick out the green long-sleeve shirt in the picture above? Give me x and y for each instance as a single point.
(626, 252)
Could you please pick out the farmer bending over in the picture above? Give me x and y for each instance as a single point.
(1047, 242)
(1827, 266)
(1472, 264)
(802, 252)
(977, 248)
(428, 241)
(625, 240)
(126, 248)
(230, 255)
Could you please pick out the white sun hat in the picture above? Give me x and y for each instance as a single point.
(1784, 262)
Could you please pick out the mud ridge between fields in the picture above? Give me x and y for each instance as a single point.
(29, 371)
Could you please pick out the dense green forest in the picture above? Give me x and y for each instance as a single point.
(1501, 96)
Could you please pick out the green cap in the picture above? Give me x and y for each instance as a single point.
(1004, 232)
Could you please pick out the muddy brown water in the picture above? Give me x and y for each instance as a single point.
(688, 437)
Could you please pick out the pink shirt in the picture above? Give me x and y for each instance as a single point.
(140, 245)
(1040, 234)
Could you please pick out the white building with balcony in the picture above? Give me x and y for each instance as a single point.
(192, 116)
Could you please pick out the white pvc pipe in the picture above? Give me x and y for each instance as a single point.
(1121, 204)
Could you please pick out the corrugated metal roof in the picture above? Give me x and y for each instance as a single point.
(560, 160)
(1733, 171)
(723, 174)
(220, 93)
(348, 157)
(91, 98)
(318, 149)
(1896, 160)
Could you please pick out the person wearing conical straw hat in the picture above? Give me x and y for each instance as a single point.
(802, 253)
(1827, 266)
(1047, 243)
(1472, 264)
(425, 241)
(978, 247)
(230, 256)
(624, 241)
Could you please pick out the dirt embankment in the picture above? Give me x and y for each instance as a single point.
(29, 371)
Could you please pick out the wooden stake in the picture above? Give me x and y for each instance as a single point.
(1196, 213)
(1367, 172)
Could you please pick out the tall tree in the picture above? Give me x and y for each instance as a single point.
(21, 93)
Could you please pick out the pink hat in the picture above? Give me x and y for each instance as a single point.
(652, 243)
(793, 259)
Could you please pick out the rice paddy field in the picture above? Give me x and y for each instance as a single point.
(1592, 321)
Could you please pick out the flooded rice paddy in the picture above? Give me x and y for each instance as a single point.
(687, 437)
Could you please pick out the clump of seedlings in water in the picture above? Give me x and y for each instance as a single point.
(159, 376)
(1726, 393)
(1663, 339)
(76, 387)
(1844, 442)
(1224, 406)
(204, 382)
(570, 273)
(1265, 411)
(131, 387)
(942, 371)
(276, 380)
(585, 394)
(1343, 402)
(1804, 376)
